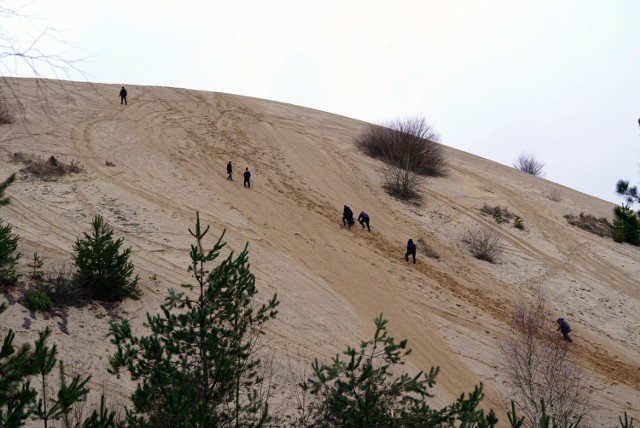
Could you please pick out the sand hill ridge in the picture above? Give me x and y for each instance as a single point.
(169, 148)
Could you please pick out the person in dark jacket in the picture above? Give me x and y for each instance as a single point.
(229, 171)
(363, 219)
(123, 96)
(411, 250)
(347, 217)
(564, 328)
(247, 177)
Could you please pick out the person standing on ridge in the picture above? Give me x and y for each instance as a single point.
(123, 96)
(229, 171)
(347, 217)
(247, 176)
(411, 250)
(564, 328)
(363, 219)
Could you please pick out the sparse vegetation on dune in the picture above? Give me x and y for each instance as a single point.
(47, 168)
(499, 214)
(598, 226)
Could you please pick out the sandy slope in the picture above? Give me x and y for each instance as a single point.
(170, 147)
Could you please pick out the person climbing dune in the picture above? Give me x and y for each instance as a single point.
(411, 251)
(363, 219)
(347, 217)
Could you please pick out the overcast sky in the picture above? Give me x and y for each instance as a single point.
(557, 79)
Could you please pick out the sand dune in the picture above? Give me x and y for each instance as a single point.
(169, 148)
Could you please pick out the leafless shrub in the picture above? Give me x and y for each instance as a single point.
(49, 168)
(82, 410)
(554, 195)
(539, 366)
(409, 144)
(60, 282)
(529, 164)
(6, 116)
(599, 226)
(402, 183)
(109, 163)
(267, 367)
(484, 243)
(297, 374)
(426, 249)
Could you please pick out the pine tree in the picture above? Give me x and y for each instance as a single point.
(8, 242)
(102, 268)
(8, 255)
(43, 361)
(15, 389)
(362, 391)
(17, 395)
(626, 225)
(630, 193)
(4, 200)
(198, 367)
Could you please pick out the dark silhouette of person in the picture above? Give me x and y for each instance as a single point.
(123, 96)
(564, 328)
(347, 217)
(363, 219)
(638, 121)
(411, 250)
(229, 171)
(247, 177)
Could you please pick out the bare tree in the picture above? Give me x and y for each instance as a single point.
(24, 54)
(410, 144)
(539, 366)
(529, 164)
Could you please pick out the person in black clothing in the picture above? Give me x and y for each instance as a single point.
(247, 176)
(229, 171)
(564, 328)
(363, 219)
(411, 250)
(347, 217)
(123, 96)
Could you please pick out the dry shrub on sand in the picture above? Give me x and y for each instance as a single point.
(484, 243)
(410, 144)
(554, 195)
(599, 226)
(50, 168)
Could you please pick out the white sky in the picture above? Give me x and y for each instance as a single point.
(556, 78)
